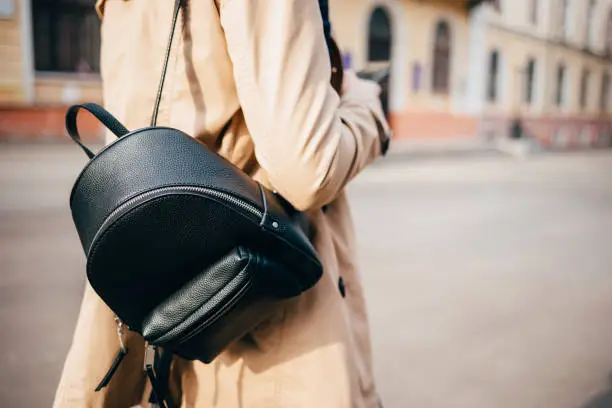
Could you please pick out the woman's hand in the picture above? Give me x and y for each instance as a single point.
(368, 92)
(354, 86)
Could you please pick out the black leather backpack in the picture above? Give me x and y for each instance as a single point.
(183, 246)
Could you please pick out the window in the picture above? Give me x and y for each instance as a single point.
(529, 81)
(605, 92)
(584, 88)
(560, 94)
(379, 44)
(66, 36)
(416, 77)
(441, 58)
(589, 22)
(533, 15)
(493, 76)
(564, 17)
(609, 35)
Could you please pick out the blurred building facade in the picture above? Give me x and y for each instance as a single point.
(424, 44)
(538, 68)
(457, 68)
(543, 68)
(50, 59)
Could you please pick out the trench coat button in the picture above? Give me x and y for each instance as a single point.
(341, 287)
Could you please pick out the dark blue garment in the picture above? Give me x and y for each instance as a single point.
(324, 7)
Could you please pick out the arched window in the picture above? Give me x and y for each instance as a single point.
(529, 80)
(441, 58)
(560, 91)
(584, 87)
(379, 43)
(493, 76)
(605, 92)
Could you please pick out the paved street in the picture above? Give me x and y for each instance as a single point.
(489, 279)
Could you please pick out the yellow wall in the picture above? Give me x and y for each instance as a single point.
(574, 62)
(59, 89)
(517, 38)
(422, 18)
(348, 24)
(514, 52)
(511, 31)
(413, 25)
(11, 68)
(55, 89)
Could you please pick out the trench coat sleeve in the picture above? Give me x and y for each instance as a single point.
(310, 141)
(94, 346)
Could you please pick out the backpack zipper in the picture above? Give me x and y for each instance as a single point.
(143, 198)
(212, 319)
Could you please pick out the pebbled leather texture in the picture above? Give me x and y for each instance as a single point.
(191, 269)
(144, 160)
(199, 299)
(194, 317)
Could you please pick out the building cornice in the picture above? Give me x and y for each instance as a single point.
(557, 42)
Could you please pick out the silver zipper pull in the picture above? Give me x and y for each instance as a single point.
(149, 357)
(120, 326)
(120, 356)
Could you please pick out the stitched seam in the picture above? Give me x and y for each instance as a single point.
(113, 226)
(166, 186)
(235, 299)
(208, 321)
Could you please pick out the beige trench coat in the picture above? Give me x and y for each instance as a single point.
(263, 64)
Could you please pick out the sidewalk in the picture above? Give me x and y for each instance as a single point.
(401, 149)
(440, 148)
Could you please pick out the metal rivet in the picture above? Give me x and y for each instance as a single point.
(275, 224)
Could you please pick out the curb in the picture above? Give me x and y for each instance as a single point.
(440, 149)
(445, 149)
